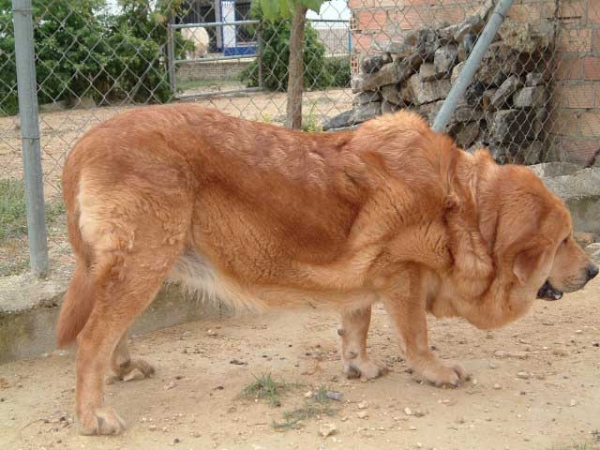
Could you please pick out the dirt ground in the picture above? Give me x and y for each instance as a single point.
(535, 385)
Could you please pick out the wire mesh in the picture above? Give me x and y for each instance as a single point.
(535, 98)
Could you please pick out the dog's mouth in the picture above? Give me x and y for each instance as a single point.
(547, 292)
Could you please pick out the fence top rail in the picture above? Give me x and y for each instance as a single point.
(213, 24)
(329, 20)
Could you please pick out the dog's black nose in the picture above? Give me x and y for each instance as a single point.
(592, 271)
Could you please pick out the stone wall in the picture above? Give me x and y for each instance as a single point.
(569, 65)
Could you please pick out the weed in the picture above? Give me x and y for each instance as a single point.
(317, 405)
(310, 123)
(264, 387)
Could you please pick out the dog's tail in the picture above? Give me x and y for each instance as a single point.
(77, 306)
(80, 297)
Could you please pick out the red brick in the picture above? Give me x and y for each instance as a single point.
(593, 11)
(571, 9)
(591, 68)
(412, 18)
(576, 96)
(529, 13)
(576, 150)
(569, 69)
(590, 124)
(596, 41)
(361, 42)
(564, 121)
(450, 14)
(576, 41)
(372, 20)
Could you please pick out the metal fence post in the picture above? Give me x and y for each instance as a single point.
(30, 136)
(171, 54)
(471, 65)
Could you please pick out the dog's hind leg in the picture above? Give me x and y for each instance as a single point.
(122, 364)
(131, 284)
(354, 330)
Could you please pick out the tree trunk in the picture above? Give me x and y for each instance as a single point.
(296, 68)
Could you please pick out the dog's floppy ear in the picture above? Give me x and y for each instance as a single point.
(529, 261)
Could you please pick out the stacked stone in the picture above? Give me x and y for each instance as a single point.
(505, 107)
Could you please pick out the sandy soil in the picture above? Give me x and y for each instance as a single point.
(535, 385)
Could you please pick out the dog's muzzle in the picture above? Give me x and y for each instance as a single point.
(547, 292)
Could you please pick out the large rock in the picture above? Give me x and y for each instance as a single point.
(366, 97)
(391, 94)
(456, 71)
(505, 91)
(398, 49)
(525, 37)
(468, 134)
(445, 58)
(427, 72)
(419, 92)
(387, 107)
(430, 110)
(374, 63)
(391, 73)
(473, 25)
(516, 125)
(532, 96)
(428, 42)
(353, 116)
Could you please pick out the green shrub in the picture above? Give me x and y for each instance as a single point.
(81, 50)
(275, 57)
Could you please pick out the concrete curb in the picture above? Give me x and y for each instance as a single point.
(29, 310)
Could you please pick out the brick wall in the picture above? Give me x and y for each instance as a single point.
(573, 127)
(576, 102)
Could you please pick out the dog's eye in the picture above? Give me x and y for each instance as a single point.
(565, 240)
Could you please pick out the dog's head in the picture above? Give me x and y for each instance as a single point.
(535, 238)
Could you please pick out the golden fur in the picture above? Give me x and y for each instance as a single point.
(261, 216)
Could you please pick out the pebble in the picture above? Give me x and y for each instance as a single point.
(559, 352)
(573, 402)
(152, 427)
(211, 333)
(523, 375)
(327, 429)
(308, 394)
(363, 405)
(497, 386)
(334, 395)
(504, 354)
(407, 411)
(362, 414)
(169, 386)
(578, 331)
(412, 428)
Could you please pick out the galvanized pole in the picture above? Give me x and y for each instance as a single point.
(171, 55)
(260, 49)
(30, 136)
(471, 65)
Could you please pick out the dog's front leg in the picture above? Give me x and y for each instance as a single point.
(354, 329)
(406, 304)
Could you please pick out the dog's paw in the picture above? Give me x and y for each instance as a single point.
(364, 369)
(102, 421)
(138, 369)
(441, 375)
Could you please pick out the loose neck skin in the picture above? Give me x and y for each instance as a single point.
(488, 292)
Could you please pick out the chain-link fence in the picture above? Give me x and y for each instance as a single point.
(535, 97)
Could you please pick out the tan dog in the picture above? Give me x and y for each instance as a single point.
(261, 216)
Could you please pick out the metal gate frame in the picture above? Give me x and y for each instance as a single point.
(172, 62)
